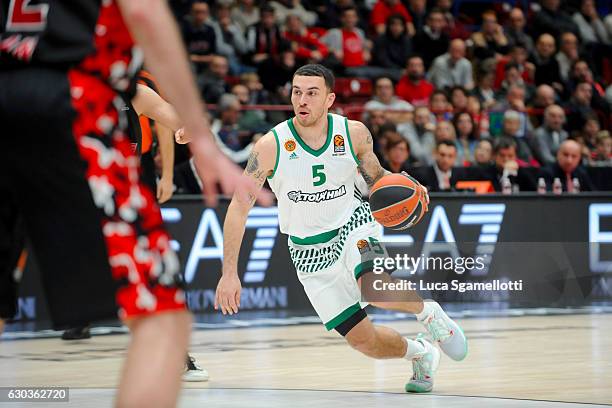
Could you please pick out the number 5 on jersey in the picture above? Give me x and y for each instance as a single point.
(318, 175)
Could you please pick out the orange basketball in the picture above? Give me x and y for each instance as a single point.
(398, 201)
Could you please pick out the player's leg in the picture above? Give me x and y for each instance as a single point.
(11, 245)
(138, 249)
(439, 325)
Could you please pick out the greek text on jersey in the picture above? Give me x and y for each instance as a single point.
(297, 196)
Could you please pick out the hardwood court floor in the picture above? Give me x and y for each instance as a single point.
(511, 362)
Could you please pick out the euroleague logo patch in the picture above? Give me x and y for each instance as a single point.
(339, 147)
(363, 246)
(290, 145)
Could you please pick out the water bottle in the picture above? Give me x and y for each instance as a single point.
(541, 186)
(515, 189)
(506, 186)
(576, 184)
(557, 188)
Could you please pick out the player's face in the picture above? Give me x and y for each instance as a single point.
(310, 99)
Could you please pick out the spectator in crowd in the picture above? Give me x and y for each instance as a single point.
(230, 40)
(592, 29)
(549, 136)
(440, 106)
(233, 140)
(378, 124)
(567, 168)
(212, 82)
(512, 77)
(481, 118)
(459, 99)
(283, 8)
(589, 130)
(396, 110)
(484, 89)
(483, 153)
(264, 39)
(245, 14)
(490, 41)
(199, 37)
(441, 176)
(351, 47)
(418, 11)
(518, 56)
(252, 120)
(508, 166)
(383, 9)
(431, 42)
(445, 131)
(512, 129)
(602, 156)
(452, 68)
(467, 138)
(544, 97)
(551, 20)
(567, 55)
(413, 87)
(276, 78)
(581, 72)
(329, 12)
(515, 100)
(397, 153)
(546, 66)
(515, 31)
(392, 49)
(419, 135)
(579, 106)
(258, 95)
(453, 27)
(307, 47)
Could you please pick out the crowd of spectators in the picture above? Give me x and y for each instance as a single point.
(505, 91)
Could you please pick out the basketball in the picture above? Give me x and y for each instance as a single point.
(398, 201)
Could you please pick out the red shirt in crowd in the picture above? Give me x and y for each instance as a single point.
(415, 94)
(352, 49)
(306, 44)
(382, 11)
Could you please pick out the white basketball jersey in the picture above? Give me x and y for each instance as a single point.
(315, 189)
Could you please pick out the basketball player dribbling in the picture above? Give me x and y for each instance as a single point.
(325, 218)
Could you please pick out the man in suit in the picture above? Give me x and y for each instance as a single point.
(567, 168)
(441, 176)
(506, 166)
(549, 136)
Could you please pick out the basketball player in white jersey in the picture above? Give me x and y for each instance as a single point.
(311, 164)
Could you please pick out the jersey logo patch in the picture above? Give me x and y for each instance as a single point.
(325, 195)
(339, 147)
(290, 145)
(293, 156)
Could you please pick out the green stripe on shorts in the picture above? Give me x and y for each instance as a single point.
(342, 317)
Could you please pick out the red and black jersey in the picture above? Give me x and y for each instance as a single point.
(88, 35)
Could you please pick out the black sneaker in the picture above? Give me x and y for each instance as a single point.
(193, 373)
(77, 333)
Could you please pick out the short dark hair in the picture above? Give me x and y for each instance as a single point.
(266, 8)
(448, 143)
(317, 70)
(435, 10)
(348, 8)
(504, 143)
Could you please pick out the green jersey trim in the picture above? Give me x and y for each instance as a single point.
(342, 317)
(315, 239)
(302, 143)
(348, 136)
(277, 154)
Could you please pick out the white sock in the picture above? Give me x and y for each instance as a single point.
(414, 349)
(427, 309)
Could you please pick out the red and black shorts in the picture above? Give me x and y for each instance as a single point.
(95, 229)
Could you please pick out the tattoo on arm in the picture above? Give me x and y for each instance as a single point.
(369, 166)
(252, 169)
(253, 163)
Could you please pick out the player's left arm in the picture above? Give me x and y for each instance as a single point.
(148, 103)
(363, 143)
(369, 166)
